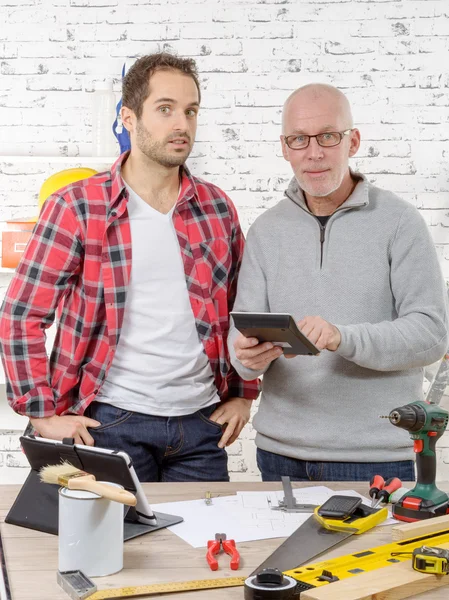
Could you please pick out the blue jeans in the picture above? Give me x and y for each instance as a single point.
(163, 448)
(273, 466)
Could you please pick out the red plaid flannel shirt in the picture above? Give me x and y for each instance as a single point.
(78, 263)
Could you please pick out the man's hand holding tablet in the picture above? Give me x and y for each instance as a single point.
(265, 336)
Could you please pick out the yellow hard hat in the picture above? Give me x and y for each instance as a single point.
(60, 179)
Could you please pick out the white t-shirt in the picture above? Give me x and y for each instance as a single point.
(160, 367)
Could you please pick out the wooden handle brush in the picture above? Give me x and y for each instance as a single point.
(72, 478)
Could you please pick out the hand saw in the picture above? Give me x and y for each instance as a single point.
(333, 522)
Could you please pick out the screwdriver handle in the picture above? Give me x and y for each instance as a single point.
(391, 485)
(376, 484)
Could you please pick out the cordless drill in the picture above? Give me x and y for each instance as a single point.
(425, 423)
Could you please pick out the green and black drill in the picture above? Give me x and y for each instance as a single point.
(425, 423)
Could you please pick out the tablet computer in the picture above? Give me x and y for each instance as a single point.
(278, 328)
(36, 505)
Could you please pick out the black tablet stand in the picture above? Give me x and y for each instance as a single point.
(36, 505)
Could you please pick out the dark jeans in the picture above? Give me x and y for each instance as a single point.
(163, 448)
(273, 466)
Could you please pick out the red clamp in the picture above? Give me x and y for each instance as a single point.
(213, 548)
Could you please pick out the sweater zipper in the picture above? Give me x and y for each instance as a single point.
(323, 227)
(322, 236)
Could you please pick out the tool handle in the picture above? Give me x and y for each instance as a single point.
(229, 548)
(426, 463)
(376, 484)
(391, 485)
(102, 489)
(212, 548)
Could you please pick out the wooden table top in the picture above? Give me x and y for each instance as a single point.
(159, 557)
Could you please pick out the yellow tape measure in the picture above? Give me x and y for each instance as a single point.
(167, 588)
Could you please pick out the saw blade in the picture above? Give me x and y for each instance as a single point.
(310, 540)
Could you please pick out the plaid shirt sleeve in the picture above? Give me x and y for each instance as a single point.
(238, 387)
(51, 257)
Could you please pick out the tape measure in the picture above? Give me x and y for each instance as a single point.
(80, 587)
(427, 559)
(431, 560)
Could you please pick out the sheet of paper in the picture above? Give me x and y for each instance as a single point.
(230, 515)
(314, 495)
(247, 516)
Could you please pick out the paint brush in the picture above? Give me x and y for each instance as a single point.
(72, 478)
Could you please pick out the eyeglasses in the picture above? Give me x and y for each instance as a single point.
(327, 140)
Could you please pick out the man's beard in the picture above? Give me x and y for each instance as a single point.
(157, 151)
(313, 190)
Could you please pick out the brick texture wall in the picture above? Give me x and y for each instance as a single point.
(388, 56)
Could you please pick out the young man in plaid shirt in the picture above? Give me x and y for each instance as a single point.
(141, 264)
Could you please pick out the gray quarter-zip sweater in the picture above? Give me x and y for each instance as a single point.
(372, 270)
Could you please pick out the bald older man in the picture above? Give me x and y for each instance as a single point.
(356, 266)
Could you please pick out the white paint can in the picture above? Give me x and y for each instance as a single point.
(90, 533)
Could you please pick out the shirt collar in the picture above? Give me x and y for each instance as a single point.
(188, 192)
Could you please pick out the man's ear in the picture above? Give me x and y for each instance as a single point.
(128, 118)
(284, 148)
(354, 143)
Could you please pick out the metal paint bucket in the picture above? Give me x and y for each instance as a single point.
(90, 533)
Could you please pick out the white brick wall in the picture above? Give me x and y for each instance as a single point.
(389, 56)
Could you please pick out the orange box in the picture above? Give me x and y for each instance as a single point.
(14, 241)
(21, 224)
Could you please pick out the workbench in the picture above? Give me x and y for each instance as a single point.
(32, 556)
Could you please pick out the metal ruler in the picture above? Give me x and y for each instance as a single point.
(289, 503)
(76, 585)
(168, 588)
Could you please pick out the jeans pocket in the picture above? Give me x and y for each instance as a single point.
(205, 413)
(108, 415)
